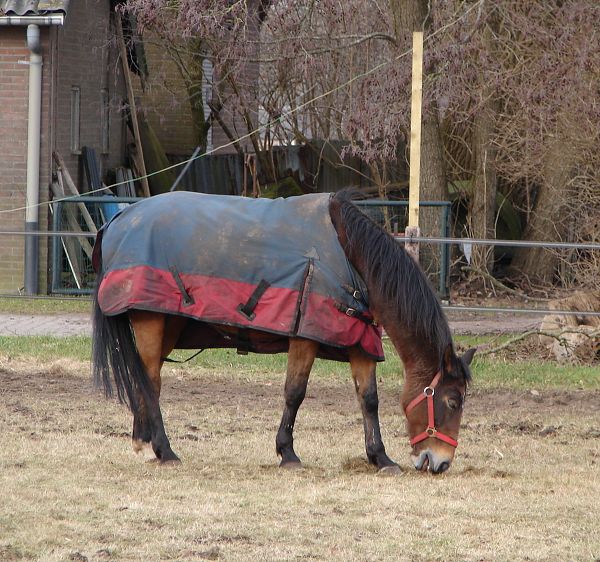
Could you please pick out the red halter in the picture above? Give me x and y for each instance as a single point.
(431, 430)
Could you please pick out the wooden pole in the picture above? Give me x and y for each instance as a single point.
(415, 144)
(132, 105)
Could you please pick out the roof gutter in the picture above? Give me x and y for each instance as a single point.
(33, 160)
(52, 19)
(32, 200)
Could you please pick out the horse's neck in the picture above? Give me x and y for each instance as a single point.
(418, 355)
(420, 359)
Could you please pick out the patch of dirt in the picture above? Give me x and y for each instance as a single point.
(228, 500)
(18, 387)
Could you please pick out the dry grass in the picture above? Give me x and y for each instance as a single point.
(525, 485)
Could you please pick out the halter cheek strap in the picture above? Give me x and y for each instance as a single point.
(431, 431)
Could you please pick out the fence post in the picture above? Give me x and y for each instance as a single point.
(415, 146)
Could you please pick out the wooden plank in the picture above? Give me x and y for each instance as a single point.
(415, 129)
(72, 222)
(63, 174)
(130, 183)
(415, 146)
(68, 244)
(132, 105)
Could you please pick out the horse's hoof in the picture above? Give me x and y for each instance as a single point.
(140, 446)
(164, 462)
(161, 462)
(391, 470)
(291, 465)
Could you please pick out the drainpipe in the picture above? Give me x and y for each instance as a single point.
(33, 160)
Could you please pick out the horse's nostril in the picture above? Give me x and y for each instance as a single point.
(442, 467)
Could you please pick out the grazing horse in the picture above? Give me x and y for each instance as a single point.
(309, 275)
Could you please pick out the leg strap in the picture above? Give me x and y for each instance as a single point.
(248, 309)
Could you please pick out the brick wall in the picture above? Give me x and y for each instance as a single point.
(14, 86)
(167, 108)
(86, 58)
(165, 101)
(82, 53)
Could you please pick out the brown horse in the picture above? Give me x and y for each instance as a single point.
(132, 340)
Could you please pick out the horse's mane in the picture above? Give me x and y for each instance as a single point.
(395, 275)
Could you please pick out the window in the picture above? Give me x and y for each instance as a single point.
(207, 91)
(104, 120)
(75, 119)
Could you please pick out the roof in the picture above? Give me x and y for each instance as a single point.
(33, 7)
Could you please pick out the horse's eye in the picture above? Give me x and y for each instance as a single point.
(453, 404)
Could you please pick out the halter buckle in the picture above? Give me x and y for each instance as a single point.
(431, 431)
(429, 389)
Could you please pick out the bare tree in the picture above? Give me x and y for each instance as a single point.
(513, 85)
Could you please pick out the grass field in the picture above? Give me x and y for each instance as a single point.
(524, 486)
(44, 305)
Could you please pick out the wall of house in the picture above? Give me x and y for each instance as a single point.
(86, 58)
(164, 100)
(82, 54)
(14, 87)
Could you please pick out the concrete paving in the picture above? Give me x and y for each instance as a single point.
(61, 325)
(45, 325)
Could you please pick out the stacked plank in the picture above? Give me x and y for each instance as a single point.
(63, 187)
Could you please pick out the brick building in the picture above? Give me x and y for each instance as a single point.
(80, 98)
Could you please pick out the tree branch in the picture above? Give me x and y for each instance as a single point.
(500, 285)
(555, 335)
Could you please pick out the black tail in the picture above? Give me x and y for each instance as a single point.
(114, 349)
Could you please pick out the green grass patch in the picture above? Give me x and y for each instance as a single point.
(46, 305)
(46, 348)
(487, 372)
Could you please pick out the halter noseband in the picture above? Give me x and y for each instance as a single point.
(431, 430)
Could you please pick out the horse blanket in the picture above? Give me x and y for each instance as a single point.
(274, 269)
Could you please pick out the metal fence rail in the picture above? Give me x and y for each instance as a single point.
(390, 214)
(72, 271)
(508, 243)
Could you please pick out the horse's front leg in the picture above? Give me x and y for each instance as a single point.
(365, 382)
(301, 356)
(155, 335)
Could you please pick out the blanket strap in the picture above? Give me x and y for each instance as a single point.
(356, 293)
(353, 313)
(248, 309)
(169, 360)
(187, 298)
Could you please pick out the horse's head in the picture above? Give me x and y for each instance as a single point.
(434, 414)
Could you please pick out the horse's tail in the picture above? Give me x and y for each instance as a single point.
(114, 349)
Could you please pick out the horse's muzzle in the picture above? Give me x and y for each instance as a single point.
(428, 460)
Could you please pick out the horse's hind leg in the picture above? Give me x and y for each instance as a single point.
(301, 356)
(365, 382)
(155, 335)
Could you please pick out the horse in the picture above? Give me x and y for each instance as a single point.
(310, 275)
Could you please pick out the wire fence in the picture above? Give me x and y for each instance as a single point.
(75, 222)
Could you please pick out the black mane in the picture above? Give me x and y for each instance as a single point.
(395, 275)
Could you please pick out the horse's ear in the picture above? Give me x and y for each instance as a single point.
(468, 355)
(449, 360)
